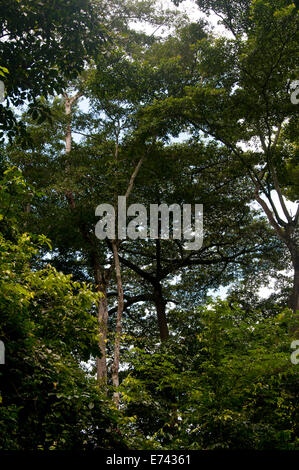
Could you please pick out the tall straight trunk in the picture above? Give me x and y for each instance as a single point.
(101, 282)
(120, 308)
(296, 290)
(294, 298)
(160, 305)
(102, 320)
(120, 293)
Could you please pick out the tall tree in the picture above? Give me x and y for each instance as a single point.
(240, 98)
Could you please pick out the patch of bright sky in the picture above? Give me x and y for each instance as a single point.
(192, 11)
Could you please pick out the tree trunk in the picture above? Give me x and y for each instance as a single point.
(120, 293)
(286, 232)
(103, 320)
(294, 298)
(296, 290)
(120, 308)
(160, 305)
(101, 287)
(100, 282)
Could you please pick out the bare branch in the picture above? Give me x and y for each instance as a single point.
(269, 214)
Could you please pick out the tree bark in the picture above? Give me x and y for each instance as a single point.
(120, 308)
(102, 320)
(294, 298)
(160, 305)
(120, 293)
(286, 233)
(296, 289)
(101, 281)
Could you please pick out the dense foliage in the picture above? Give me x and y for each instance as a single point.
(143, 343)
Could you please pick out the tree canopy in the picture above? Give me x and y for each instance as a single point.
(141, 342)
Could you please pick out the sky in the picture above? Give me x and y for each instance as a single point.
(190, 8)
